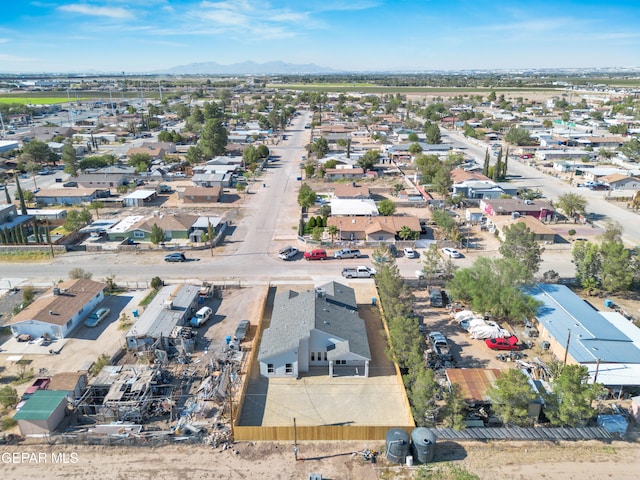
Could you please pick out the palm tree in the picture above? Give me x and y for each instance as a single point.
(332, 230)
(405, 233)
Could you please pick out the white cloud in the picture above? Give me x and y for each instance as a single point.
(95, 11)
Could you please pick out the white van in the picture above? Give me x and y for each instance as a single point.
(201, 317)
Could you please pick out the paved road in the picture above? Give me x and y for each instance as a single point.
(527, 176)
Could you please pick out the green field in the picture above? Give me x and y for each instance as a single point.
(33, 100)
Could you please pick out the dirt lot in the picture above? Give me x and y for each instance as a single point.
(515, 461)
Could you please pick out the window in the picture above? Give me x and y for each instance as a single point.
(288, 368)
(325, 356)
(270, 368)
(319, 356)
(341, 362)
(138, 234)
(313, 356)
(69, 323)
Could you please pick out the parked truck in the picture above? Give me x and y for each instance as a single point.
(347, 253)
(358, 272)
(440, 346)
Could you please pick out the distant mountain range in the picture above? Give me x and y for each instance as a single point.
(245, 68)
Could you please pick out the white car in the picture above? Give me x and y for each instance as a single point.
(410, 253)
(287, 253)
(451, 252)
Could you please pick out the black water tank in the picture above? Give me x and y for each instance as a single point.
(397, 441)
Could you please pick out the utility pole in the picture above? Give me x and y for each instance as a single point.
(566, 348)
(295, 440)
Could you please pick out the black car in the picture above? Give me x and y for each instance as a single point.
(175, 257)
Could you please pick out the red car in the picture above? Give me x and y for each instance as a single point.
(317, 254)
(510, 343)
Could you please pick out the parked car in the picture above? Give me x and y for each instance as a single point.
(175, 257)
(287, 253)
(96, 317)
(241, 331)
(509, 343)
(317, 254)
(435, 297)
(410, 252)
(451, 252)
(201, 317)
(600, 186)
(347, 253)
(358, 272)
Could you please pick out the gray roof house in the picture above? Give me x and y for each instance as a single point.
(173, 306)
(315, 328)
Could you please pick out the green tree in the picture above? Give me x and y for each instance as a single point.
(195, 155)
(442, 182)
(320, 147)
(23, 205)
(76, 273)
(96, 205)
(213, 138)
(485, 166)
(432, 132)
(316, 233)
(70, 160)
(141, 161)
(423, 392)
(263, 151)
(77, 218)
(612, 232)
(431, 262)
(406, 233)
(250, 156)
(39, 150)
(616, 274)
(494, 285)
(492, 96)
(586, 257)
(518, 136)
(386, 207)
(520, 245)
(510, 397)
(571, 204)
(415, 149)
(8, 396)
(453, 411)
(306, 196)
(333, 232)
(631, 150)
(369, 160)
(569, 402)
(413, 137)
(157, 235)
(428, 166)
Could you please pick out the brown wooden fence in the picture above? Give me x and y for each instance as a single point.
(314, 433)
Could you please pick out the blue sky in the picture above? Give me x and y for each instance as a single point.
(355, 35)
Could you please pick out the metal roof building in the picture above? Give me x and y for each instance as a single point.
(595, 337)
(171, 307)
(42, 413)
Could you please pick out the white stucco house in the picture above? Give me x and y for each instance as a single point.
(315, 328)
(58, 312)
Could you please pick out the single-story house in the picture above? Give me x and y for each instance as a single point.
(315, 328)
(619, 181)
(541, 232)
(138, 198)
(173, 306)
(8, 145)
(221, 180)
(58, 311)
(606, 342)
(473, 215)
(541, 209)
(70, 196)
(372, 229)
(73, 383)
(200, 194)
(51, 214)
(343, 173)
(42, 413)
(356, 207)
(477, 189)
(351, 191)
(177, 226)
(102, 180)
(156, 153)
(201, 226)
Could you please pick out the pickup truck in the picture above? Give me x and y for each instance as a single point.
(347, 253)
(440, 346)
(39, 384)
(358, 272)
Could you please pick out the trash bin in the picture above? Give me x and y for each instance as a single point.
(135, 313)
(228, 339)
(374, 301)
(608, 303)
